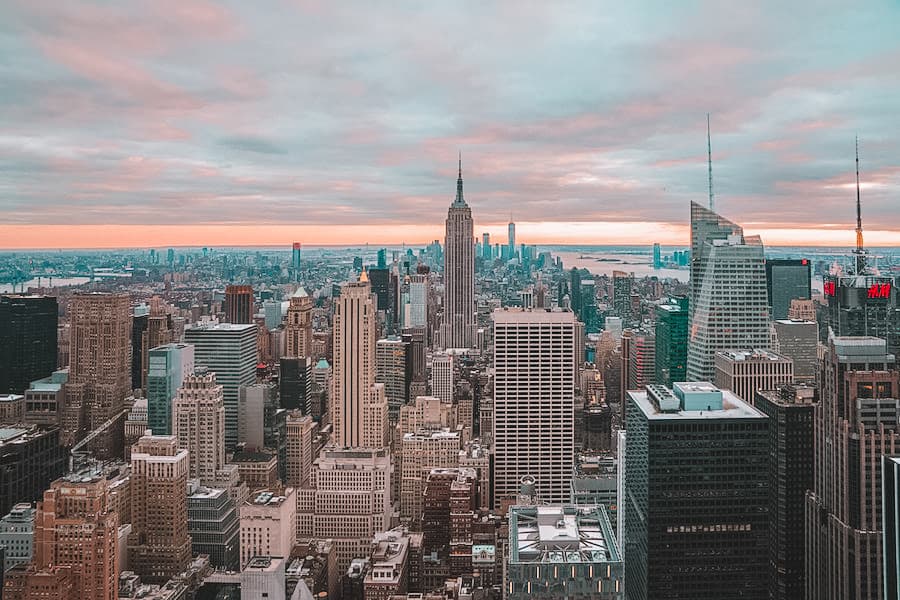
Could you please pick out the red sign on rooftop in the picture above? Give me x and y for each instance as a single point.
(880, 290)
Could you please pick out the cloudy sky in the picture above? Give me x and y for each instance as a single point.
(199, 122)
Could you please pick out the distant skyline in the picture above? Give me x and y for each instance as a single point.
(191, 122)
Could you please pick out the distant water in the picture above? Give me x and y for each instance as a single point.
(6, 288)
(604, 263)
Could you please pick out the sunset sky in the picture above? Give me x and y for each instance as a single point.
(192, 122)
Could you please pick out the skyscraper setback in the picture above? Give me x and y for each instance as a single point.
(458, 328)
(729, 305)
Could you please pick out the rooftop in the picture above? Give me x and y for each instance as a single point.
(751, 355)
(561, 534)
(666, 405)
(268, 564)
(11, 397)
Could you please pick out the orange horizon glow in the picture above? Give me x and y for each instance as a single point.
(67, 237)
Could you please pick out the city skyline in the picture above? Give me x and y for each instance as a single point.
(220, 124)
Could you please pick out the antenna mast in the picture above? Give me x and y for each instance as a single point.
(860, 250)
(709, 156)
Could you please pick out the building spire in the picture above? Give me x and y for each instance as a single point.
(460, 201)
(709, 157)
(860, 249)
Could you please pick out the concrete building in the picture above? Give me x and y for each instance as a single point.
(239, 303)
(420, 452)
(561, 551)
(214, 526)
(100, 368)
(388, 574)
(30, 458)
(856, 421)
(595, 482)
(229, 351)
(798, 341)
(199, 419)
(534, 391)
(256, 404)
(641, 360)
(159, 546)
(348, 500)
(729, 305)
(716, 549)
(442, 376)
(458, 327)
(167, 366)
(268, 524)
(259, 470)
(263, 578)
(12, 409)
(414, 302)
(890, 481)
(301, 433)
(75, 526)
(358, 406)
(45, 399)
(745, 372)
(298, 325)
(17, 536)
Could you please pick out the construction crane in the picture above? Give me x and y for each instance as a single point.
(92, 435)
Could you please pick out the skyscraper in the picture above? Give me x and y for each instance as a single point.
(159, 546)
(358, 404)
(301, 430)
(239, 304)
(442, 377)
(890, 474)
(295, 260)
(729, 305)
(27, 341)
(298, 326)
(100, 369)
(167, 367)
(534, 391)
(512, 240)
(671, 341)
(696, 495)
(458, 327)
(229, 351)
(391, 370)
(855, 423)
(486, 247)
(414, 301)
(199, 423)
(786, 280)
(657, 256)
(744, 372)
(76, 525)
(791, 452)
(295, 383)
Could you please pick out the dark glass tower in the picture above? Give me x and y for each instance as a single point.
(696, 495)
(27, 340)
(786, 280)
(671, 341)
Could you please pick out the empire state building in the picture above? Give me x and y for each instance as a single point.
(458, 328)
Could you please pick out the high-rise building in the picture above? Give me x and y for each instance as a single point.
(298, 325)
(414, 302)
(864, 305)
(301, 433)
(392, 371)
(729, 305)
(486, 248)
(199, 423)
(688, 443)
(562, 551)
(641, 361)
(786, 280)
(744, 372)
(295, 260)
(77, 526)
(534, 391)
(295, 383)
(671, 341)
(268, 524)
(229, 351)
(890, 481)
(420, 452)
(458, 328)
(28, 327)
(100, 369)
(214, 526)
(798, 341)
(348, 500)
(856, 421)
(159, 546)
(442, 376)
(512, 240)
(168, 365)
(30, 458)
(272, 311)
(152, 327)
(358, 405)
(17, 536)
(657, 256)
(623, 283)
(791, 451)
(239, 304)
(257, 404)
